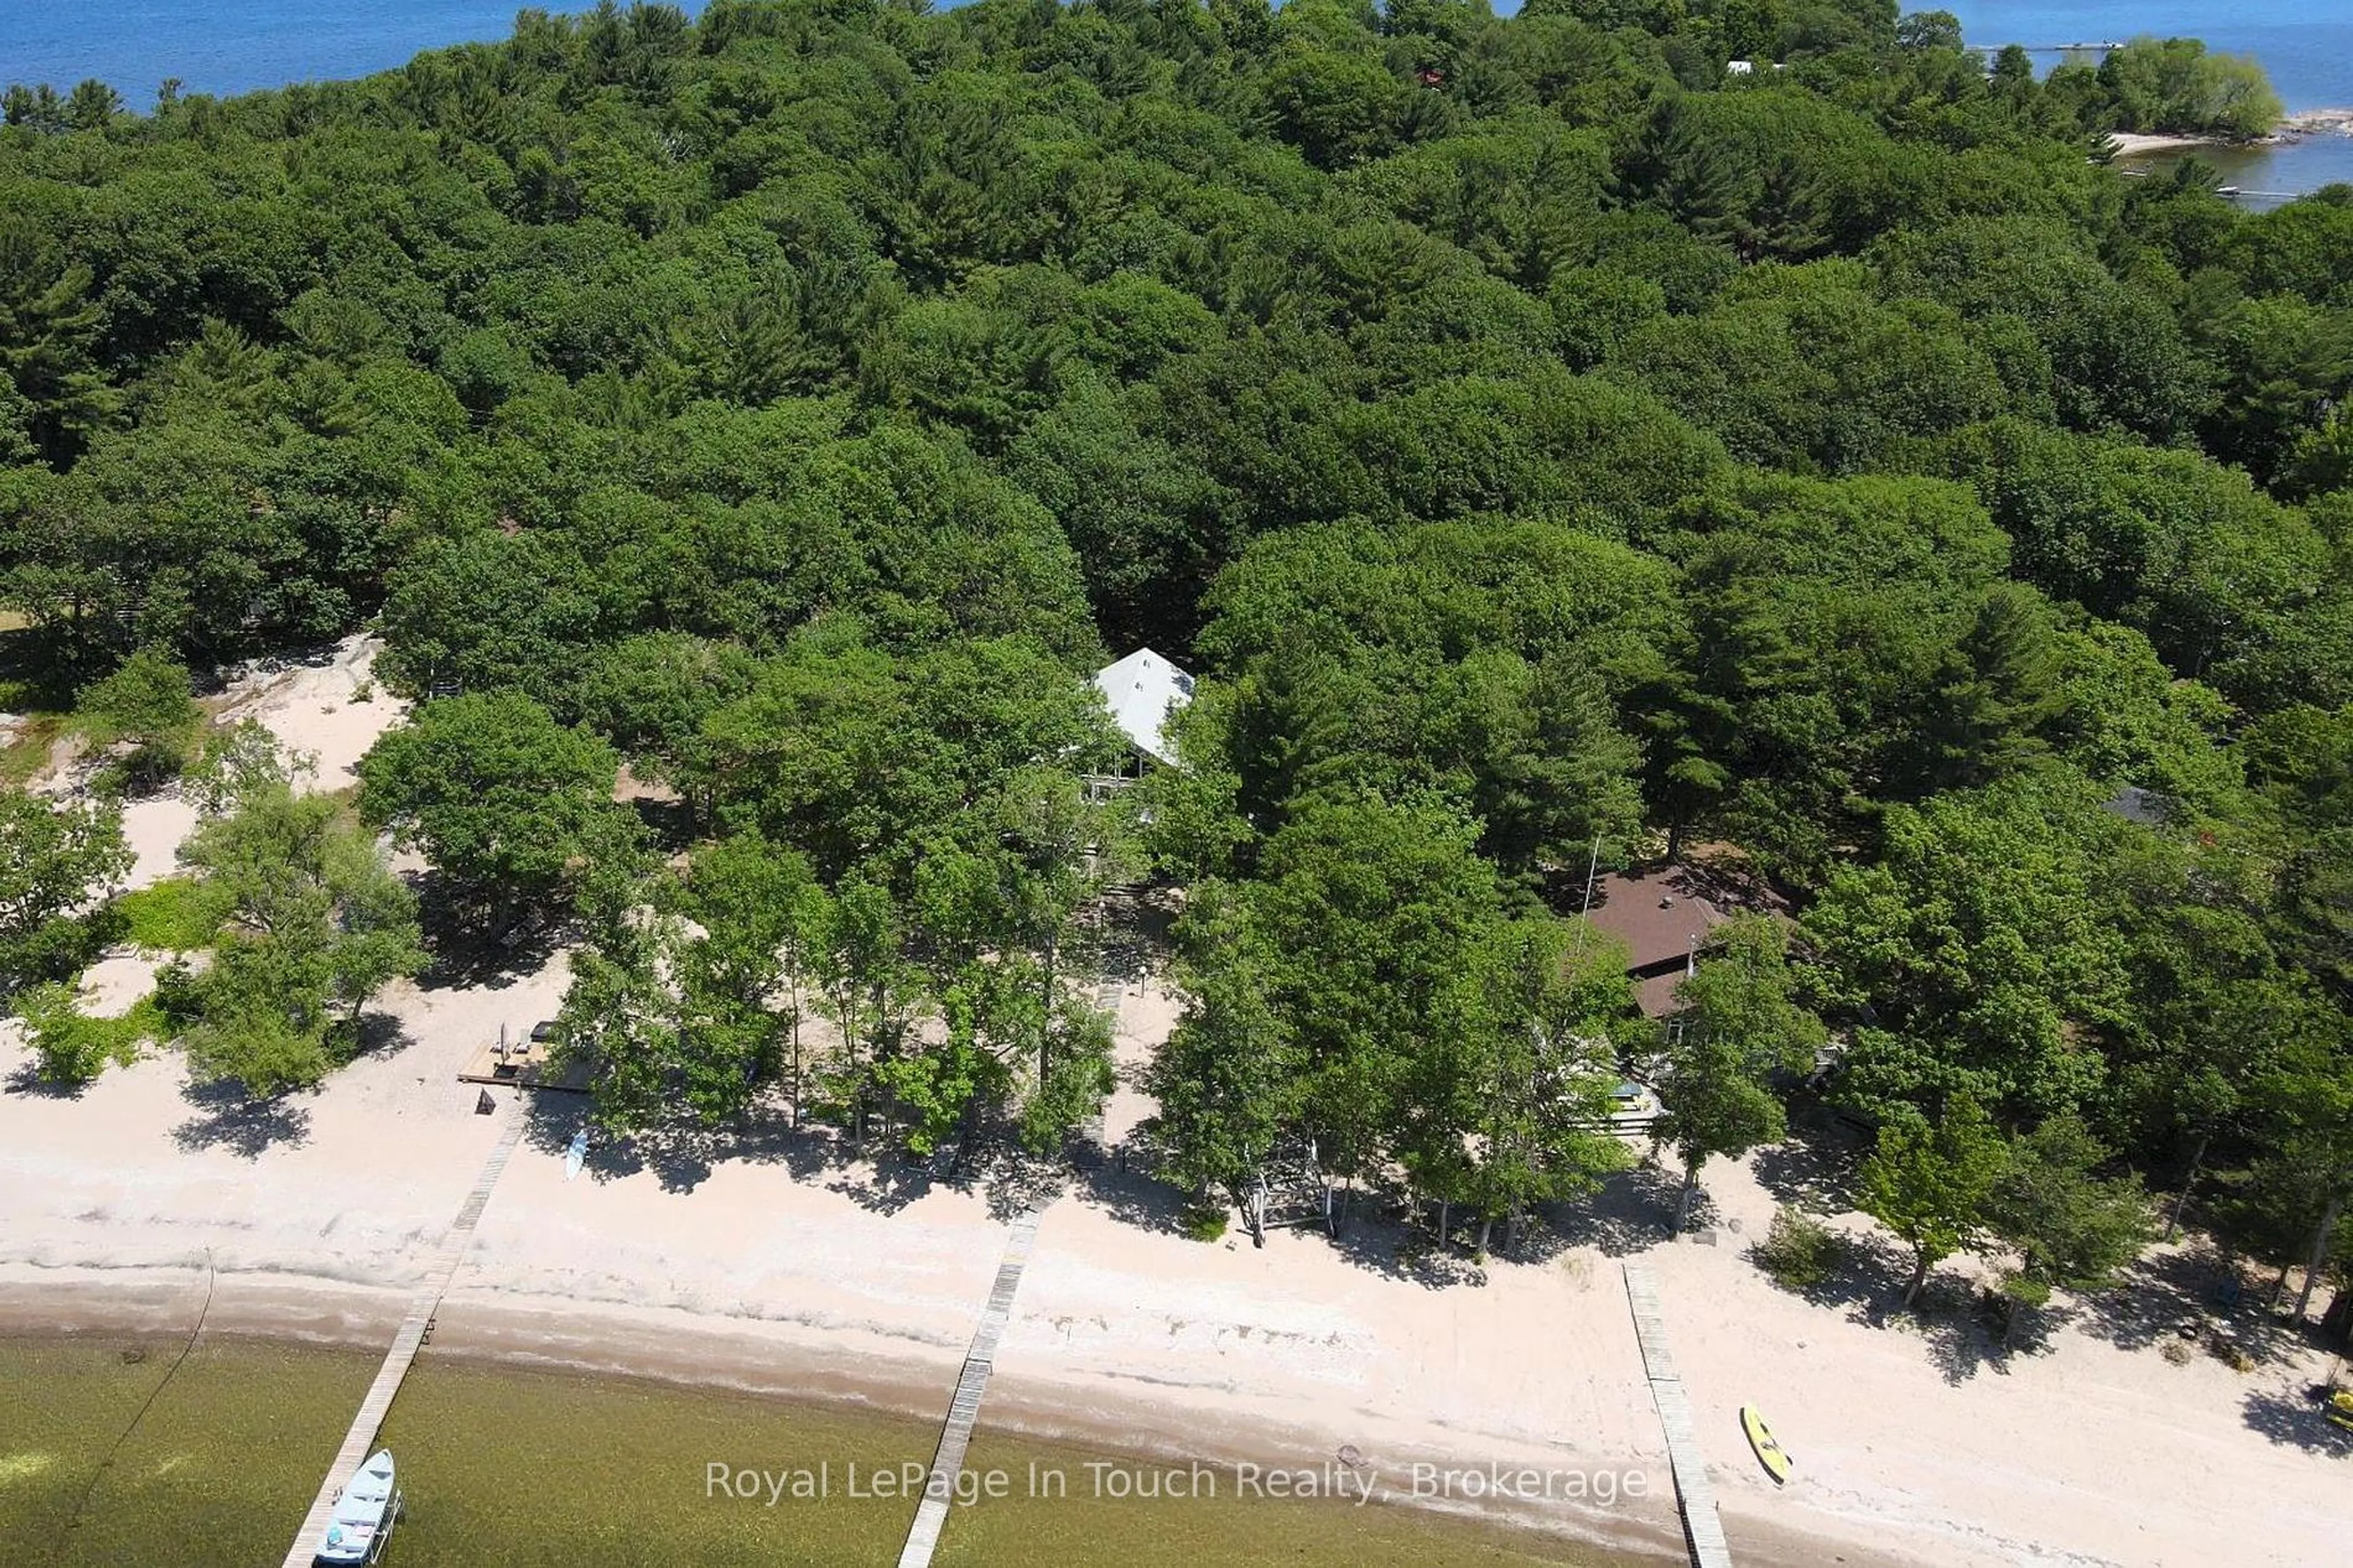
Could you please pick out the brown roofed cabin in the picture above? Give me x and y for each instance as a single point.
(1662, 917)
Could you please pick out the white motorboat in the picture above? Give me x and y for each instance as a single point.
(365, 1514)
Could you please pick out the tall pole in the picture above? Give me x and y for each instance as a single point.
(1584, 914)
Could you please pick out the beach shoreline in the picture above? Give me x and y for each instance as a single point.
(1558, 1387)
(2128, 144)
(2316, 122)
(557, 1337)
(778, 1261)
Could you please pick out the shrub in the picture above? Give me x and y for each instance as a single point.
(72, 1046)
(178, 914)
(1799, 1250)
(146, 702)
(60, 949)
(2020, 1289)
(2228, 1351)
(179, 999)
(1204, 1221)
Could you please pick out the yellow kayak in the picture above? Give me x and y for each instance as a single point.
(1769, 1452)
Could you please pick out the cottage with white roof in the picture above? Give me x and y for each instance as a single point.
(1143, 690)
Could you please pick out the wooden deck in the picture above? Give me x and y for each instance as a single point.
(1703, 1527)
(360, 1439)
(526, 1066)
(964, 1408)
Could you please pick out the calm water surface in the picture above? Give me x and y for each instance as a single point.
(505, 1468)
(220, 46)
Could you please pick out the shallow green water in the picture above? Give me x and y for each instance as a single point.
(504, 1467)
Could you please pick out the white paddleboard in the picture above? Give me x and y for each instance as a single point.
(576, 1155)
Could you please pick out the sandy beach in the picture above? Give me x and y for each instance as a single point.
(2143, 144)
(769, 1261)
(2130, 144)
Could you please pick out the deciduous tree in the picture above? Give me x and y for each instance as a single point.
(1739, 1027)
(57, 860)
(1929, 1183)
(503, 799)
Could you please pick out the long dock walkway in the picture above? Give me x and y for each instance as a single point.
(360, 1438)
(1703, 1527)
(963, 1409)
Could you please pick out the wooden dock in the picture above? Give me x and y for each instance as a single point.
(964, 1408)
(360, 1439)
(2085, 46)
(1703, 1527)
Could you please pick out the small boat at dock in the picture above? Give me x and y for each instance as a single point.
(365, 1514)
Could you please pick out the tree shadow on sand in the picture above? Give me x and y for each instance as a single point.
(1963, 1335)
(1868, 1272)
(1380, 1243)
(2295, 1418)
(2195, 1297)
(1134, 1196)
(382, 1036)
(2164, 1289)
(305, 655)
(1634, 1212)
(26, 1079)
(465, 955)
(1013, 1188)
(683, 1151)
(1814, 1166)
(247, 1128)
(883, 1187)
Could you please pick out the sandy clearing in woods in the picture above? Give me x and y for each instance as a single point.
(312, 705)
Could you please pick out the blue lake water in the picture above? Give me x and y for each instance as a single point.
(2306, 46)
(237, 46)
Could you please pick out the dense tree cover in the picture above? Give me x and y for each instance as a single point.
(1739, 1029)
(1368, 990)
(1545, 442)
(505, 801)
(316, 924)
(2173, 84)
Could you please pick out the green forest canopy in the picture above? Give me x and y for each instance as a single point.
(1530, 430)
